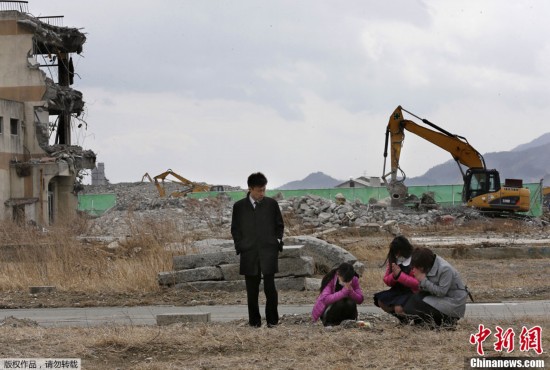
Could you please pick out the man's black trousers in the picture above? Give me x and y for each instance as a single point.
(252, 294)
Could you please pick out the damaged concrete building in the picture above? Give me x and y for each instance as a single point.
(40, 169)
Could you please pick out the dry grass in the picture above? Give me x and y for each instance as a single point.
(295, 344)
(31, 257)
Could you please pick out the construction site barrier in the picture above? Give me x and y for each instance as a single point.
(444, 195)
(96, 204)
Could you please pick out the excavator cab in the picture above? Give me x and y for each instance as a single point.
(483, 190)
(478, 181)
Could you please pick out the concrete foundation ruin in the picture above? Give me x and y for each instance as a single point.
(212, 264)
(39, 166)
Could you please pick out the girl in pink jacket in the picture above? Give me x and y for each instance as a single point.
(398, 277)
(340, 295)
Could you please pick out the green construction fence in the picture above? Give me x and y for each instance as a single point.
(96, 204)
(444, 195)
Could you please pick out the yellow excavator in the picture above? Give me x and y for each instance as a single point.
(190, 186)
(482, 187)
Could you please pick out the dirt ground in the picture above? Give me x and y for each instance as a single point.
(296, 343)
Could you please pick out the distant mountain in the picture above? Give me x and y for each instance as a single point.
(541, 140)
(528, 162)
(316, 180)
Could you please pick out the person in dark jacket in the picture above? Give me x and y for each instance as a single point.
(257, 228)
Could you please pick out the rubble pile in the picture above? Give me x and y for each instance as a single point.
(142, 200)
(320, 212)
(144, 196)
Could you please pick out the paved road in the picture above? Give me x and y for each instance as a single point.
(146, 315)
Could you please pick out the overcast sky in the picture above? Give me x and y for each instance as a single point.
(216, 90)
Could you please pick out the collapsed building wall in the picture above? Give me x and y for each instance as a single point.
(37, 180)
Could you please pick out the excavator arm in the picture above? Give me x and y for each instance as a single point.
(481, 186)
(191, 187)
(168, 172)
(459, 148)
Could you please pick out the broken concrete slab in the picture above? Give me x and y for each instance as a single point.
(325, 255)
(184, 276)
(286, 283)
(231, 272)
(213, 246)
(359, 267)
(313, 284)
(173, 318)
(210, 271)
(371, 227)
(209, 286)
(298, 266)
(292, 251)
(391, 226)
(301, 266)
(191, 261)
(291, 283)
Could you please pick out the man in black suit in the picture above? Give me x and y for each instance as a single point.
(257, 228)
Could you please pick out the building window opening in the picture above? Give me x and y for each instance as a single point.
(51, 203)
(1, 125)
(14, 126)
(19, 214)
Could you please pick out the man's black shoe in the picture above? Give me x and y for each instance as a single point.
(272, 325)
(255, 325)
